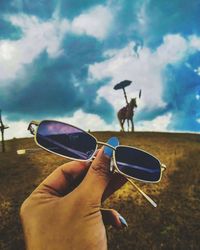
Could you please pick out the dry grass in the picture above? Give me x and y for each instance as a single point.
(173, 225)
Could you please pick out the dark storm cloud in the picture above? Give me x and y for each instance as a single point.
(149, 21)
(148, 115)
(54, 88)
(126, 27)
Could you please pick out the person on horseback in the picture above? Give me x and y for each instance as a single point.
(127, 113)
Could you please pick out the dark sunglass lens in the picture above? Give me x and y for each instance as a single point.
(137, 164)
(66, 140)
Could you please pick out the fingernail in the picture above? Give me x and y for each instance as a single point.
(113, 141)
(123, 221)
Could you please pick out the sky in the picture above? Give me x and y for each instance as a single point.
(60, 59)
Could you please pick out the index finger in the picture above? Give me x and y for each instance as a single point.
(60, 180)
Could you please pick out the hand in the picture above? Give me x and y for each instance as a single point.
(64, 211)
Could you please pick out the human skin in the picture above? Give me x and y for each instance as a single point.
(64, 211)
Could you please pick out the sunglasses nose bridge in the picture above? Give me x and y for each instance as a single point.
(106, 144)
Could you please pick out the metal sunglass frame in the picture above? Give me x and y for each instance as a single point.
(113, 166)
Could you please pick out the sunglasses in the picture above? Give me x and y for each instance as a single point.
(74, 143)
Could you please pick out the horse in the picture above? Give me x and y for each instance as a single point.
(127, 113)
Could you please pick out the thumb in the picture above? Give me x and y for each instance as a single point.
(98, 176)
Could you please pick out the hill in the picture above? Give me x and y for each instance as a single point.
(174, 224)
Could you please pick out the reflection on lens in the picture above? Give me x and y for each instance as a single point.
(66, 140)
(137, 164)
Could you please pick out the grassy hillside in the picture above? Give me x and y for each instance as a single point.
(174, 224)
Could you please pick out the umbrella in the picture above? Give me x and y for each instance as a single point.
(123, 85)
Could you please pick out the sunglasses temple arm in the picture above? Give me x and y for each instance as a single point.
(146, 196)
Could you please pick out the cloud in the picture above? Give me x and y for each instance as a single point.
(90, 122)
(181, 88)
(44, 67)
(195, 42)
(149, 73)
(16, 129)
(146, 71)
(197, 71)
(176, 11)
(95, 22)
(160, 123)
(79, 119)
(173, 50)
(55, 88)
(37, 37)
(47, 35)
(66, 56)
